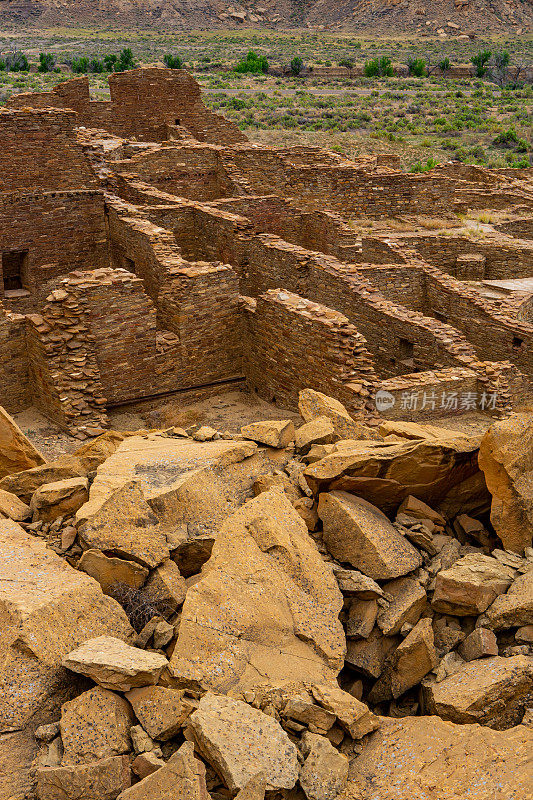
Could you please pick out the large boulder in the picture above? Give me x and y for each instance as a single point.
(312, 404)
(358, 533)
(515, 608)
(102, 779)
(469, 586)
(324, 771)
(239, 741)
(506, 458)
(113, 664)
(59, 499)
(16, 451)
(266, 607)
(425, 757)
(25, 484)
(492, 691)
(161, 711)
(386, 473)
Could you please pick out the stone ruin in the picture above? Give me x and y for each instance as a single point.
(148, 248)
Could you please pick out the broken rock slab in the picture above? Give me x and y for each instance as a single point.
(13, 508)
(506, 458)
(49, 608)
(426, 757)
(95, 725)
(161, 711)
(112, 664)
(407, 604)
(312, 404)
(181, 778)
(385, 474)
(16, 451)
(493, 691)
(59, 499)
(273, 433)
(358, 533)
(469, 586)
(240, 741)
(126, 526)
(408, 664)
(325, 771)
(25, 484)
(265, 609)
(109, 571)
(515, 608)
(103, 779)
(353, 715)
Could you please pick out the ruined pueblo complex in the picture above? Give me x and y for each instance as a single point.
(331, 606)
(149, 248)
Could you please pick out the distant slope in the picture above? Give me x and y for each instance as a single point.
(392, 16)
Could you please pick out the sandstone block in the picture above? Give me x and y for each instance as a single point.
(183, 777)
(59, 499)
(95, 725)
(325, 770)
(407, 605)
(355, 717)
(13, 508)
(16, 451)
(160, 711)
(312, 405)
(481, 642)
(320, 430)
(103, 779)
(109, 571)
(470, 585)
(515, 608)
(278, 434)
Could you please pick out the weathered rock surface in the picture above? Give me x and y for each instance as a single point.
(515, 607)
(25, 484)
(481, 642)
(360, 534)
(13, 508)
(62, 498)
(407, 604)
(320, 430)
(48, 608)
(325, 770)
(355, 717)
(408, 664)
(492, 691)
(126, 526)
(161, 711)
(240, 741)
(312, 404)
(95, 725)
(425, 757)
(274, 433)
(183, 777)
(385, 474)
(506, 458)
(112, 664)
(16, 451)
(109, 571)
(266, 607)
(166, 587)
(102, 780)
(469, 586)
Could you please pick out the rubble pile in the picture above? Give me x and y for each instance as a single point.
(287, 613)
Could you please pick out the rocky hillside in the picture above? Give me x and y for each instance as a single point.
(331, 612)
(387, 16)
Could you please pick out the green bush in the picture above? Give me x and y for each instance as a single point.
(379, 67)
(17, 62)
(253, 63)
(47, 62)
(429, 164)
(480, 61)
(80, 65)
(346, 62)
(173, 62)
(125, 60)
(417, 67)
(96, 65)
(509, 140)
(296, 65)
(445, 65)
(3, 65)
(110, 62)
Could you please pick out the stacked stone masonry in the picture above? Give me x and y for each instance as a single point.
(148, 248)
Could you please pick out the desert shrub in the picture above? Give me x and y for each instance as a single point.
(109, 62)
(509, 140)
(445, 65)
(480, 61)
(417, 67)
(379, 67)
(80, 65)
(17, 62)
(47, 62)
(296, 65)
(138, 608)
(424, 167)
(125, 60)
(96, 65)
(173, 62)
(253, 63)
(346, 62)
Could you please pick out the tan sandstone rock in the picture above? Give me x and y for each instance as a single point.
(182, 777)
(109, 571)
(59, 499)
(320, 430)
(266, 607)
(13, 508)
(312, 404)
(470, 585)
(506, 458)
(425, 757)
(95, 725)
(360, 534)
(514, 608)
(355, 717)
(481, 642)
(239, 741)
(274, 433)
(161, 711)
(126, 526)
(325, 771)
(492, 691)
(407, 605)
(166, 587)
(102, 779)
(25, 484)
(16, 451)
(408, 664)
(112, 664)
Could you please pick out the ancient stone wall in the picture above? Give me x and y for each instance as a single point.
(14, 364)
(58, 231)
(39, 151)
(293, 343)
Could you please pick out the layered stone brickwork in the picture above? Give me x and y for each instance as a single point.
(293, 343)
(158, 252)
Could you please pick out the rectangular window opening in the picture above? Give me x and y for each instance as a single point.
(14, 269)
(406, 349)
